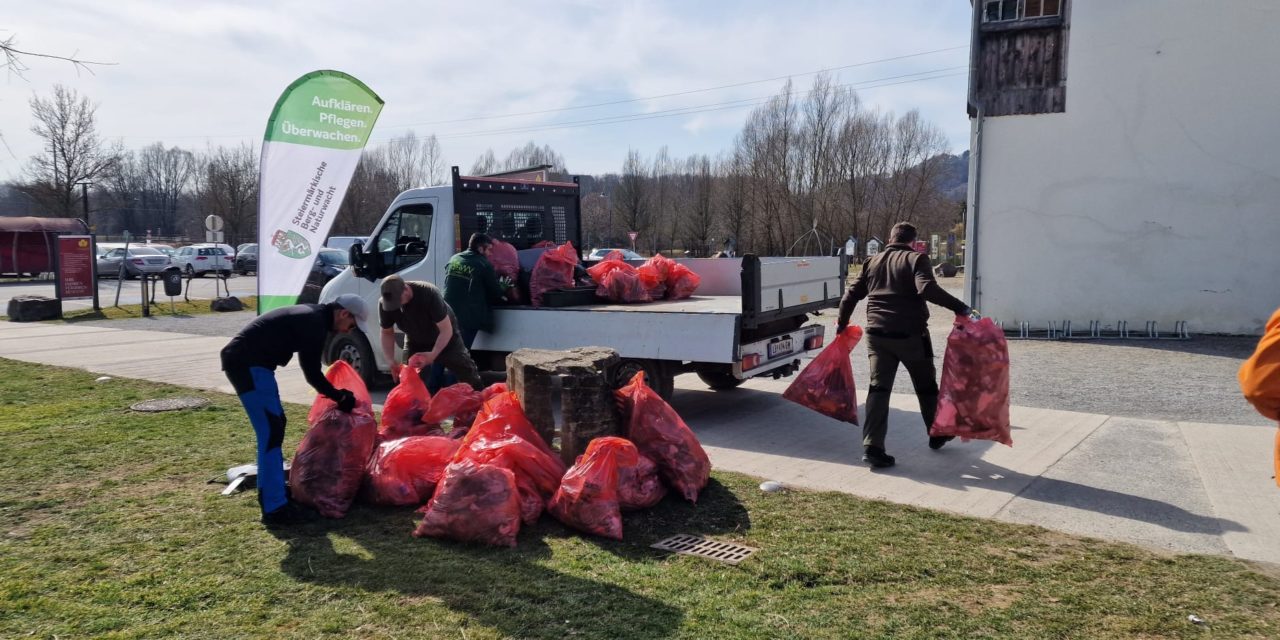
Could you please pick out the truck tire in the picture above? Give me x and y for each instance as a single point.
(354, 348)
(656, 375)
(719, 378)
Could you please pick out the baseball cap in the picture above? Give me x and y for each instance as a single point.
(392, 291)
(354, 304)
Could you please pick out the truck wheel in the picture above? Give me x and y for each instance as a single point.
(719, 379)
(353, 348)
(656, 375)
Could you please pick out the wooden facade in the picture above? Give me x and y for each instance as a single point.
(1019, 66)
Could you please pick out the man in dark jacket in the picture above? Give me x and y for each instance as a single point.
(471, 287)
(250, 361)
(897, 283)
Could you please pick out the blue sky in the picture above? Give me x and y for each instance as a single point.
(198, 73)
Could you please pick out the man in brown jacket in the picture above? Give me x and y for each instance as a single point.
(897, 283)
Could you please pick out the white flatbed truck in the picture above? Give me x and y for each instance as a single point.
(748, 317)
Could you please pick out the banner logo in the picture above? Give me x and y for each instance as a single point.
(290, 244)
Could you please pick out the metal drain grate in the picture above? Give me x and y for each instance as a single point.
(686, 544)
(170, 404)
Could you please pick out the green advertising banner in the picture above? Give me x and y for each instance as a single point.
(314, 139)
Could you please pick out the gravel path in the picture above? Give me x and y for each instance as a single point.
(205, 324)
(1167, 380)
(1193, 381)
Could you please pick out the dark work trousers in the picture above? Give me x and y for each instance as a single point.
(916, 353)
(453, 366)
(261, 399)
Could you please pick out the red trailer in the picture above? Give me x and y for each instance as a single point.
(27, 245)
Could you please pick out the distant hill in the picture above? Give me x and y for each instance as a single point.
(953, 181)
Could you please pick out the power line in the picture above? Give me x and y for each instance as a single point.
(679, 93)
(691, 110)
(601, 104)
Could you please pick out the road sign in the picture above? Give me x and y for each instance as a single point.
(213, 223)
(632, 235)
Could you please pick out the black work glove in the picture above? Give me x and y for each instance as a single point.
(841, 326)
(346, 401)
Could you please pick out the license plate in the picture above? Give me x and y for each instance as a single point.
(780, 348)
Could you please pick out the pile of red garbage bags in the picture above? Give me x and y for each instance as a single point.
(501, 472)
(657, 279)
(973, 397)
(826, 384)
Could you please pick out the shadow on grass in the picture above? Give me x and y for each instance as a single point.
(513, 590)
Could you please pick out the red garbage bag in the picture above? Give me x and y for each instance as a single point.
(681, 281)
(554, 270)
(587, 499)
(505, 259)
(518, 454)
(611, 262)
(502, 416)
(537, 473)
(973, 397)
(343, 376)
(622, 285)
(329, 464)
(639, 486)
(826, 384)
(492, 391)
(658, 432)
(405, 472)
(653, 275)
(406, 404)
(473, 503)
(457, 401)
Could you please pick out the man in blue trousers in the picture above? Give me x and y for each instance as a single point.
(250, 361)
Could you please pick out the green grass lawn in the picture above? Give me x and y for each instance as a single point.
(180, 308)
(110, 530)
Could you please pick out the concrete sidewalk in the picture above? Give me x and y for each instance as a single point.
(1178, 486)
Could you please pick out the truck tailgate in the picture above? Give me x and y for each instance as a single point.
(780, 287)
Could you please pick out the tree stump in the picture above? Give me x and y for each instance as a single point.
(573, 384)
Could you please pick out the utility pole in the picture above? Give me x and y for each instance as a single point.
(84, 199)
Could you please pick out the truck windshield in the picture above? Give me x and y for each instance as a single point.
(403, 240)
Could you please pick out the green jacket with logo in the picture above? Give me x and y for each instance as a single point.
(471, 287)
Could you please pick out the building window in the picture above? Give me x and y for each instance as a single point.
(1009, 10)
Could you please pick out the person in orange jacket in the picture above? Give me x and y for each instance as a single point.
(1260, 379)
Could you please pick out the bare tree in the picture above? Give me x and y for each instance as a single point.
(532, 155)
(699, 219)
(226, 184)
(631, 198)
(73, 152)
(435, 169)
(14, 58)
(485, 164)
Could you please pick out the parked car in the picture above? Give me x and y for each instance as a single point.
(136, 261)
(163, 248)
(246, 259)
(328, 264)
(627, 254)
(240, 247)
(103, 247)
(199, 259)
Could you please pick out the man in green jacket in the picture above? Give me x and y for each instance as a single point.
(471, 287)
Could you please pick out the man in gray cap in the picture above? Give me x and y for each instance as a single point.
(250, 361)
(431, 333)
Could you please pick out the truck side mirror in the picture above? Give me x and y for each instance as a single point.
(361, 261)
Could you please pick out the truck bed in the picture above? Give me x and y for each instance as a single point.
(693, 304)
